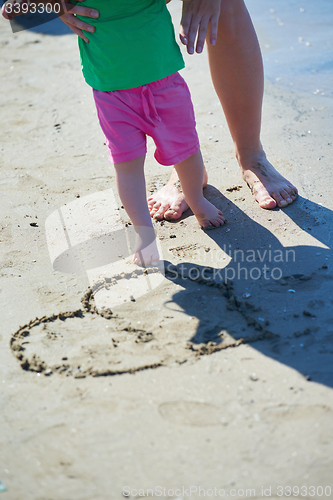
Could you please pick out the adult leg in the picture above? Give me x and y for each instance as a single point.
(237, 73)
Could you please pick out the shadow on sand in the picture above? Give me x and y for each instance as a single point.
(287, 290)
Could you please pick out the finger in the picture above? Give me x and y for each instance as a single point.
(5, 13)
(76, 24)
(183, 35)
(202, 35)
(8, 11)
(214, 23)
(192, 33)
(81, 25)
(81, 11)
(184, 26)
(80, 33)
(68, 20)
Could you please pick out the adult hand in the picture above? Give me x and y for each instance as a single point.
(13, 8)
(198, 16)
(75, 24)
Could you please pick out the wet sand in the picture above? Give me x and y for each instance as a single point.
(200, 381)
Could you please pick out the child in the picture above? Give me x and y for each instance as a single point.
(132, 62)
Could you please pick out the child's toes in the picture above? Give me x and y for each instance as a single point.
(207, 224)
(137, 259)
(217, 221)
(213, 223)
(146, 260)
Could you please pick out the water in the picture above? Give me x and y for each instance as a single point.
(296, 38)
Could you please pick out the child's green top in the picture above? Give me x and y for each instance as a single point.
(134, 44)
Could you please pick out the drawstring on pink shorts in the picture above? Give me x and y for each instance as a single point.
(148, 105)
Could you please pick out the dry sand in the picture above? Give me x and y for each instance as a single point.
(189, 384)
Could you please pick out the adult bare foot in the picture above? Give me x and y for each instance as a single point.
(269, 188)
(169, 201)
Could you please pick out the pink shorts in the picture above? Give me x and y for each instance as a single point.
(163, 110)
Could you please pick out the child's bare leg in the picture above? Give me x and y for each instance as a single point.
(191, 175)
(132, 191)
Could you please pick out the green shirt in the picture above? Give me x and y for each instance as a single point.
(134, 44)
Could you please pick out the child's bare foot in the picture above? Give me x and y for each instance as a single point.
(208, 216)
(145, 252)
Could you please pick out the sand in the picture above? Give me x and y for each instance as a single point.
(116, 381)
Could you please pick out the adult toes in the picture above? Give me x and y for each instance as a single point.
(267, 202)
(292, 191)
(172, 214)
(286, 196)
(159, 215)
(280, 201)
(155, 208)
(264, 199)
